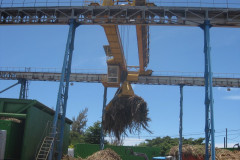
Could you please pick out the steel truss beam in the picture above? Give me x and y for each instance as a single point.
(121, 15)
(61, 105)
(97, 78)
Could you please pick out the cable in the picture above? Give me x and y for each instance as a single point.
(127, 44)
(228, 135)
(234, 137)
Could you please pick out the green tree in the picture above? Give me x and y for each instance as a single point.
(93, 133)
(166, 143)
(80, 122)
(76, 138)
(78, 127)
(192, 141)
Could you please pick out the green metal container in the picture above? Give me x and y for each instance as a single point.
(14, 138)
(35, 117)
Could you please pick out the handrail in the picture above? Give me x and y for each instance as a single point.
(103, 71)
(171, 3)
(50, 70)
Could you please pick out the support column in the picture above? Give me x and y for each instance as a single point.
(23, 89)
(61, 105)
(226, 139)
(209, 114)
(103, 111)
(180, 125)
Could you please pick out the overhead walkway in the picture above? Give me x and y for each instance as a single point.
(97, 78)
(121, 15)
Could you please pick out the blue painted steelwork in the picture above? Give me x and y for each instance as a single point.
(9, 87)
(63, 88)
(180, 125)
(23, 89)
(103, 111)
(209, 114)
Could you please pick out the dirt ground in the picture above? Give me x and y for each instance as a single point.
(106, 154)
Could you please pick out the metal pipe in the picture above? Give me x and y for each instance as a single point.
(180, 125)
(14, 115)
(103, 111)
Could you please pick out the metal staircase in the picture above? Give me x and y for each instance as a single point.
(45, 145)
(45, 148)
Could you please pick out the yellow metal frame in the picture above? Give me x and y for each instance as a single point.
(116, 48)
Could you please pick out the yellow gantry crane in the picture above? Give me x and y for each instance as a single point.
(117, 67)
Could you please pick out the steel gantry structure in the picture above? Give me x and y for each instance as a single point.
(203, 17)
(175, 79)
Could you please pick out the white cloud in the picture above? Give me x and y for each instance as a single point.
(236, 97)
(132, 141)
(129, 141)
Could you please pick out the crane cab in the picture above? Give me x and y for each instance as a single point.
(112, 79)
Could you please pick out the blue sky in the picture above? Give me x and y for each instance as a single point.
(177, 49)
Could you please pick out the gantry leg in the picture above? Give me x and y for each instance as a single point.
(23, 90)
(63, 89)
(209, 115)
(180, 125)
(103, 111)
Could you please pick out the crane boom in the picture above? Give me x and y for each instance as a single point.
(142, 38)
(143, 43)
(115, 52)
(116, 49)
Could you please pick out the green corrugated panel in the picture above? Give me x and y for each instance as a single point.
(14, 140)
(85, 150)
(33, 133)
(13, 105)
(36, 121)
(66, 138)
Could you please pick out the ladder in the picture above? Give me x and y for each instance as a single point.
(45, 148)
